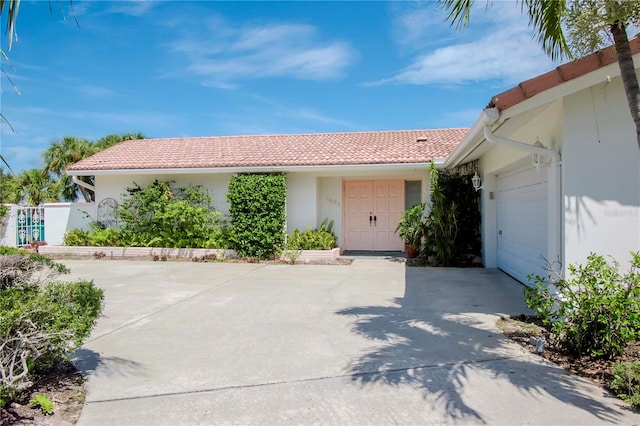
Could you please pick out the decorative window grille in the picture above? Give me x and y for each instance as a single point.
(30, 225)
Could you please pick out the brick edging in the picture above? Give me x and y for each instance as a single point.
(185, 253)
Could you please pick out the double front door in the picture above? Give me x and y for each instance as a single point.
(372, 209)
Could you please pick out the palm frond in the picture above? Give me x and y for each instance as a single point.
(545, 16)
(459, 12)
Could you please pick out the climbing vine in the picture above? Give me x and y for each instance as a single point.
(257, 206)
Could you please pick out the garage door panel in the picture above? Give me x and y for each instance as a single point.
(522, 223)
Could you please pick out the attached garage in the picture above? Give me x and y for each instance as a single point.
(522, 213)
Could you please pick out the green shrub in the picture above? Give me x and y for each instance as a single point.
(40, 320)
(257, 209)
(410, 227)
(107, 237)
(3, 211)
(76, 237)
(596, 311)
(159, 215)
(452, 231)
(322, 238)
(626, 382)
(442, 224)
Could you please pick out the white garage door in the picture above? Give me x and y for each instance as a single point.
(522, 223)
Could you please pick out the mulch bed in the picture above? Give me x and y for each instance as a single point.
(64, 385)
(599, 371)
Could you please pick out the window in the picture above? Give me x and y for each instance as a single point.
(412, 193)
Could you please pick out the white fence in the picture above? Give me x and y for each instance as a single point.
(58, 218)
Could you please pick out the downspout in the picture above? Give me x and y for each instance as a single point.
(492, 115)
(554, 197)
(83, 184)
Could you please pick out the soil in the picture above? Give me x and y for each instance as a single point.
(64, 385)
(600, 371)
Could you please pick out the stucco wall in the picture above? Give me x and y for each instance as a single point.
(63, 217)
(330, 203)
(601, 175)
(59, 218)
(8, 227)
(301, 201)
(544, 125)
(311, 196)
(113, 186)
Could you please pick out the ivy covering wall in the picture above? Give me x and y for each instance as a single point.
(257, 206)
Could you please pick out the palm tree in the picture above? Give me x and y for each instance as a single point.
(113, 139)
(585, 21)
(33, 186)
(6, 188)
(63, 153)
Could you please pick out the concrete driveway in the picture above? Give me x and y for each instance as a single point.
(370, 343)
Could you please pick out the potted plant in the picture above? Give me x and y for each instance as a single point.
(410, 229)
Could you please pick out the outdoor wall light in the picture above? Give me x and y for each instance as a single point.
(476, 181)
(535, 158)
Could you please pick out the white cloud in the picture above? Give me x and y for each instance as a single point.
(93, 91)
(417, 24)
(221, 55)
(497, 46)
(132, 7)
(29, 157)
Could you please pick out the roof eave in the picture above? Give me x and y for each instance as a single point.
(475, 138)
(469, 143)
(256, 169)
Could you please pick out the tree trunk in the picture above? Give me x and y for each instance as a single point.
(86, 194)
(628, 73)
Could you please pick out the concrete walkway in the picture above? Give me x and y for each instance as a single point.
(370, 343)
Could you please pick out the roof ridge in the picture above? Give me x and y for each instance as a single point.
(305, 134)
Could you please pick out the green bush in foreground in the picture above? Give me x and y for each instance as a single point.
(41, 320)
(626, 382)
(595, 312)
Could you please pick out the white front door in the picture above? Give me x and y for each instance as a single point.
(372, 210)
(522, 223)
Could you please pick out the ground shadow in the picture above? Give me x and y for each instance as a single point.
(89, 362)
(440, 332)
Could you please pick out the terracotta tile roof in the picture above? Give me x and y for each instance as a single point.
(391, 147)
(561, 74)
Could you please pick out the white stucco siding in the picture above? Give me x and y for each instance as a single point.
(113, 186)
(301, 201)
(312, 196)
(330, 203)
(545, 125)
(601, 175)
(61, 218)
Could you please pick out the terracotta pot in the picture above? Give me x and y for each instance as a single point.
(411, 251)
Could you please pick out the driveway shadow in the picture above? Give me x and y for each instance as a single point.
(443, 330)
(89, 362)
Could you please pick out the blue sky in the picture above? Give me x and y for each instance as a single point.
(204, 68)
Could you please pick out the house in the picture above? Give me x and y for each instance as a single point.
(556, 155)
(560, 169)
(361, 180)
